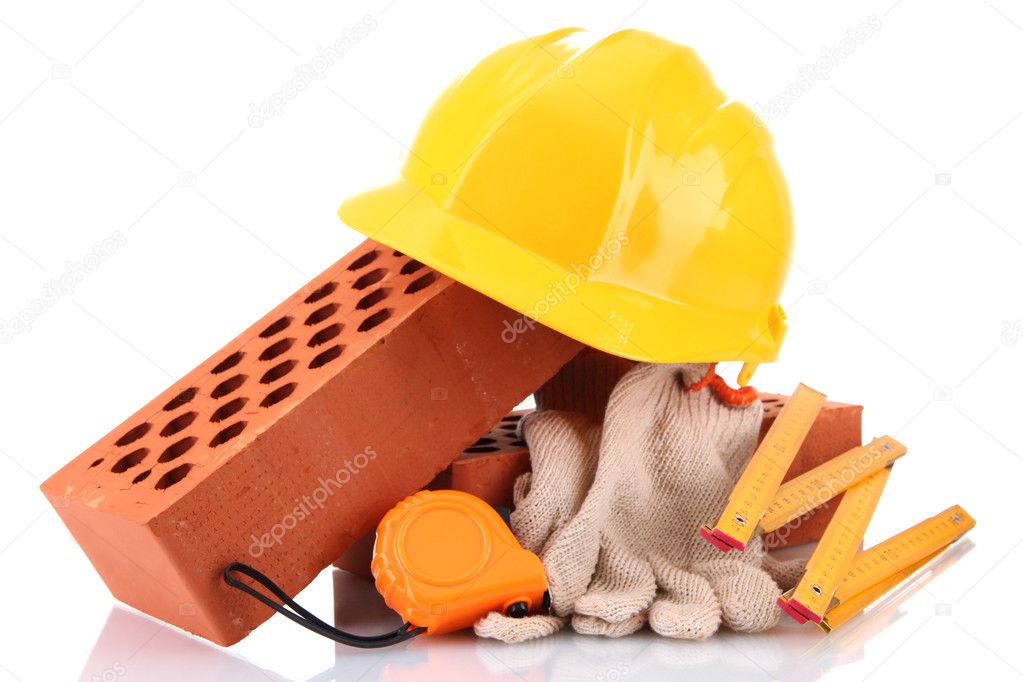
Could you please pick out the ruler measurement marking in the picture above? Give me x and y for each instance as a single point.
(836, 550)
(758, 484)
(903, 549)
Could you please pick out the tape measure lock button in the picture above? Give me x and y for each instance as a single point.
(517, 609)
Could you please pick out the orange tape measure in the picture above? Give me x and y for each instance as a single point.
(442, 559)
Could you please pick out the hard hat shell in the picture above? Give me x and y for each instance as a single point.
(604, 188)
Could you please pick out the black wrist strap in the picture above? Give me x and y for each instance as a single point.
(291, 609)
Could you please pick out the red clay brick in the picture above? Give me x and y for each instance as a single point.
(489, 467)
(584, 384)
(353, 393)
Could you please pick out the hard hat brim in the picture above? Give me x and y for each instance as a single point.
(611, 318)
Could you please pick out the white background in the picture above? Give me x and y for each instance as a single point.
(131, 121)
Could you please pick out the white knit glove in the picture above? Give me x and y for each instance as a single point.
(629, 551)
(563, 456)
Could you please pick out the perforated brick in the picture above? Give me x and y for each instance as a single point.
(291, 442)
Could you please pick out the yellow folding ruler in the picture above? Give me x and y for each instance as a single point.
(760, 503)
(759, 483)
(825, 481)
(837, 583)
(874, 572)
(830, 561)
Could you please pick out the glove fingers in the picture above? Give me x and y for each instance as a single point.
(569, 558)
(747, 595)
(591, 625)
(496, 625)
(521, 488)
(623, 585)
(562, 451)
(686, 606)
(785, 573)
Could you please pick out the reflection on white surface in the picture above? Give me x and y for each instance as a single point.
(846, 644)
(134, 647)
(790, 651)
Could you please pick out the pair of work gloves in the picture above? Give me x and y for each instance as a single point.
(613, 508)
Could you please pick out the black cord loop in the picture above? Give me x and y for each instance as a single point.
(291, 610)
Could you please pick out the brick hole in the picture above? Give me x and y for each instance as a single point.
(276, 328)
(177, 449)
(276, 372)
(519, 443)
(324, 335)
(326, 356)
(369, 279)
(175, 475)
(371, 299)
(324, 291)
(96, 463)
(179, 423)
(321, 314)
(141, 477)
(129, 460)
(511, 418)
(228, 410)
(228, 362)
(228, 385)
(509, 427)
(375, 319)
(227, 434)
(421, 283)
(134, 434)
(276, 349)
(364, 260)
(482, 448)
(398, 253)
(485, 441)
(411, 266)
(180, 399)
(278, 394)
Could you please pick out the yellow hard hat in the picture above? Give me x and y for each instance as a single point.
(604, 188)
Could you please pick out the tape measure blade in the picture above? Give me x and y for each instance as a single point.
(829, 564)
(759, 482)
(827, 480)
(904, 549)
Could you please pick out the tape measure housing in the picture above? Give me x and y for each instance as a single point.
(444, 558)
